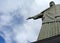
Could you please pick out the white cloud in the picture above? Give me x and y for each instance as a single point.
(5, 19)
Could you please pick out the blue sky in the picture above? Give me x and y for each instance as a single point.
(14, 28)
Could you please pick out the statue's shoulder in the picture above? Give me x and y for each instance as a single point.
(57, 5)
(45, 10)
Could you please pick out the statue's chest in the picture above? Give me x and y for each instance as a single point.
(53, 13)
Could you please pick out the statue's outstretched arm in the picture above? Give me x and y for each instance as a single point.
(39, 15)
(36, 16)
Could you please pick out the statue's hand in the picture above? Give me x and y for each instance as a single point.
(30, 18)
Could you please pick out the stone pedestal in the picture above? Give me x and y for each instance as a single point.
(54, 39)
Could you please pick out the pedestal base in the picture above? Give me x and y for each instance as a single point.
(54, 39)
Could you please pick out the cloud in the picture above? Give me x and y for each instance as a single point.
(17, 18)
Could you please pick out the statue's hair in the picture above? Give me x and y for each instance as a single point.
(52, 3)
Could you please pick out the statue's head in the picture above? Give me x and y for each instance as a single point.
(51, 3)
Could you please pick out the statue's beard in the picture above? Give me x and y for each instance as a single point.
(52, 4)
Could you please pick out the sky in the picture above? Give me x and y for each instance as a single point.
(14, 28)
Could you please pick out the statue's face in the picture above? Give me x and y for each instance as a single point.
(52, 3)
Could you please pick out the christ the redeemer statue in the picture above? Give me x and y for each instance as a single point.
(50, 21)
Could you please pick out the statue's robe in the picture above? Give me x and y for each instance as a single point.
(50, 22)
